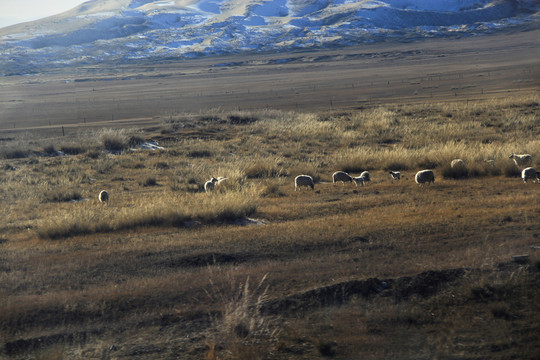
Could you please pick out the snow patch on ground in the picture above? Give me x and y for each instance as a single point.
(150, 145)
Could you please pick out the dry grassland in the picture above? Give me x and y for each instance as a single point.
(256, 270)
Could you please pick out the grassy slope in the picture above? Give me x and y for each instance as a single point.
(167, 271)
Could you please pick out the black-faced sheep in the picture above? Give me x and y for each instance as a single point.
(396, 175)
(424, 176)
(303, 180)
(341, 176)
(366, 176)
(359, 180)
(521, 160)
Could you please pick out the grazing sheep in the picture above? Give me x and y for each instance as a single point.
(530, 174)
(358, 180)
(103, 196)
(341, 176)
(366, 176)
(458, 163)
(521, 160)
(210, 184)
(303, 180)
(424, 176)
(396, 175)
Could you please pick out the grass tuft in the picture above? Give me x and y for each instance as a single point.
(114, 140)
(456, 172)
(511, 170)
(242, 331)
(149, 181)
(62, 195)
(73, 149)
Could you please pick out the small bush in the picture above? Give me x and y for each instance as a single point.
(162, 165)
(62, 195)
(149, 181)
(72, 149)
(93, 154)
(427, 163)
(456, 172)
(241, 119)
(199, 154)
(49, 150)
(272, 189)
(134, 141)
(263, 169)
(511, 170)
(113, 144)
(114, 140)
(15, 153)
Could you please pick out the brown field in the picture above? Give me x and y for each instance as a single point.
(257, 270)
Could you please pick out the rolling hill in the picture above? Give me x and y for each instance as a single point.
(124, 31)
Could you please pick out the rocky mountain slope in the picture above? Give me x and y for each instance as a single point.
(133, 30)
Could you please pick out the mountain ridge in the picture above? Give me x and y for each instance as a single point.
(123, 31)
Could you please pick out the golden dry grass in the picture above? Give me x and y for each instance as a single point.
(168, 271)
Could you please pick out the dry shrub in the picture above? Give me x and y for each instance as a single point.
(264, 168)
(73, 149)
(50, 150)
(62, 194)
(149, 181)
(200, 154)
(511, 170)
(456, 172)
(272, 188)
(114, 140)
(93, 154)
(15, 153)
(242, 331)
(134, 140)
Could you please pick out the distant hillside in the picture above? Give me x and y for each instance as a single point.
(133, 30)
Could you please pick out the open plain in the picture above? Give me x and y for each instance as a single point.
(255, 269)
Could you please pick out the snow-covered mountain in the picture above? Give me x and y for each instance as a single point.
(133, 30)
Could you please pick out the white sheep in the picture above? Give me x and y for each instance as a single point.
(530, 174)
(341, 176)
(521, 160)
(424, 176)
(366, 176)
(396, 175)
(358, 180)
(458, 163)
(210, 184)
(303, 180)
(103, 196)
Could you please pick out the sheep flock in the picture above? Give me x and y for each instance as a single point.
(422, 177)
